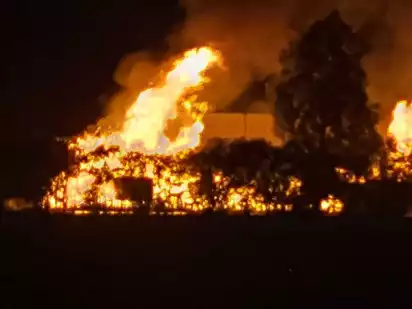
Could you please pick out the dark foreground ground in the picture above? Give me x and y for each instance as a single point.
(204, 262)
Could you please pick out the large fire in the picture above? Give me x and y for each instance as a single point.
(91, 180)
(141, 149)
(146, 120)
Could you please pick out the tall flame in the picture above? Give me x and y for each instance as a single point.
(401, 127)
(146, 120)
(141, 149)
(143, 132)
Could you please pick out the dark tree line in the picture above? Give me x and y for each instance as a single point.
(323, 107)
(322, 102)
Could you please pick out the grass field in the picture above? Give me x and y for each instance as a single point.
(131, 261)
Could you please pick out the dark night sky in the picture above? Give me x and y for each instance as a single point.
(64, 54)
(61, 58)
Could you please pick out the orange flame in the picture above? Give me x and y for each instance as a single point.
(142, 132)
(145, 121)
(397, 164)
(77, 187)
(401, 127)
(331, 205)
(140, 149)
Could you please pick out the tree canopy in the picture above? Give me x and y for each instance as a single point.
(321, 101)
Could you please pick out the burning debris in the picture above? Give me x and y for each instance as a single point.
(142, 151)
(117, 173)
(331, 205)
(140, 148)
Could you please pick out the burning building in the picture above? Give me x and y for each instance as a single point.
(136, 149)
(141, 149)
(249, 116)
(139, 164)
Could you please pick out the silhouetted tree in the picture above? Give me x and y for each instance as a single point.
(322, 103)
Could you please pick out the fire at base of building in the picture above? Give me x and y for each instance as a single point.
(139, 167)
(142, 149)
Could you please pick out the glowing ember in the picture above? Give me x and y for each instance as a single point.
(331, 205)
(349, 176)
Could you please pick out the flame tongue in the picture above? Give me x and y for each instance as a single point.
(146, 120)
(141, 138)
(401, 127)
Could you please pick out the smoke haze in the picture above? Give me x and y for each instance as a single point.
(252, 35)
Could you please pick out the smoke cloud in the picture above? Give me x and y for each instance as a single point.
(252, 34)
